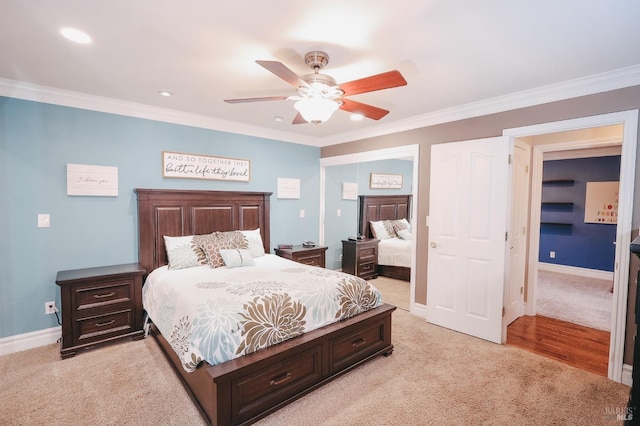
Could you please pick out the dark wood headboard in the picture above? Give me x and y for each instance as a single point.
(382, 207)
(185, 212)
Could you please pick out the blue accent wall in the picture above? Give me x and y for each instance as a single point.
(579, 244)
(38, 140)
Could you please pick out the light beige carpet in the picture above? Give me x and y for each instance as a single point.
(580, 300)
(434, 376)
(394, 292)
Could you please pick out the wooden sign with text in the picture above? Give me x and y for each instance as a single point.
(193, 166)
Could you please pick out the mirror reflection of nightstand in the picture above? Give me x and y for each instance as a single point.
(360, 258)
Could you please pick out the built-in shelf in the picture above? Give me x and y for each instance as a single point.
(558, 182)
(557, 223)
(558, 203)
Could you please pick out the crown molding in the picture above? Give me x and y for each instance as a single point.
(50, 95)
(598, 83)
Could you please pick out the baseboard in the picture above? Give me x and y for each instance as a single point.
(574, 270)
(419, 310)
(627, 378)
(22, 342)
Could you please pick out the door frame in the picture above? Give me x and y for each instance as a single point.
(629, 121)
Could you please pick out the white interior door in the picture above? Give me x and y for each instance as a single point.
(514, 289)
(468, 201)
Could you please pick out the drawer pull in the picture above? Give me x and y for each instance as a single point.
(280, 379)
(359, 342)
(102, 296)
(102, 324)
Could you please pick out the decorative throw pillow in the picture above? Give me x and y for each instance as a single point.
(399, 225)
(183, 253)
(382, 229)
(211, 244)
(254, 239)
(234, 258)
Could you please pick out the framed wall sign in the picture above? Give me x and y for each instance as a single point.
(288, 188)
(601, 204)
(385, 181)
(85, 179)
(194, 166)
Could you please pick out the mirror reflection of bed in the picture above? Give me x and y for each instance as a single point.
(388, 219)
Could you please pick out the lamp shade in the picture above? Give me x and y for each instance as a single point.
(316, 109)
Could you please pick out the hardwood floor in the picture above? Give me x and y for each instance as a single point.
(576, 345)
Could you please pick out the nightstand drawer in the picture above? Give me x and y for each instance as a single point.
(314, 256)
(105, 294)
(96, 327)
(367, 253)
(366, 268)
(313, 260)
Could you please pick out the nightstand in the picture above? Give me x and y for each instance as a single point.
(360, 258)
(314, 256)
(99, 305)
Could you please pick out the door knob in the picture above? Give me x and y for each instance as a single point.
(434, 244)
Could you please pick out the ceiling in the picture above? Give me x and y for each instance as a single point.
(459, 57)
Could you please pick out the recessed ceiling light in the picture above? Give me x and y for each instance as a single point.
(357, 117)
(75, 35)
(165, 93)
(278, 118)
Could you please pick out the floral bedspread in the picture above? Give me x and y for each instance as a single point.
(217, 314)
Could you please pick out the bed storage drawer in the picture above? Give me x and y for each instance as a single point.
(348, 348)
(252, 393)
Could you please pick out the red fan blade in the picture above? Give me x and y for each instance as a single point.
(279, 69)
(368, 111)
(298, 119)
(385, 80)
(268, 98)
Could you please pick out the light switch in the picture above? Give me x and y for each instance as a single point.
(339, 213)
(43, 221)
(301, 212)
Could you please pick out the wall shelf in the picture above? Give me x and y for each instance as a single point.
(558, 182)
(558, 203)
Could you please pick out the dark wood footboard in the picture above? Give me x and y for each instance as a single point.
(244, 390)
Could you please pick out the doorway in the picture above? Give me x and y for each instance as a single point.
(628, 120)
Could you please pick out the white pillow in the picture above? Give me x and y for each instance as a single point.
(256, 247)
(234, 258)
(404, 234)
(183, 253)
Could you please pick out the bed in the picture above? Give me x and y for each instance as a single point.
(249, 387)
(394, 253)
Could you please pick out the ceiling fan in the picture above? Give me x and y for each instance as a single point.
(318, 94)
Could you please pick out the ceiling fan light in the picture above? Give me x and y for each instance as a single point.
(315, 109)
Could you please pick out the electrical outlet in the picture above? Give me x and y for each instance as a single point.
(552, 254)
(340, 258)
(50, 308)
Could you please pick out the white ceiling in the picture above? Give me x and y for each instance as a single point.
(458, 56)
